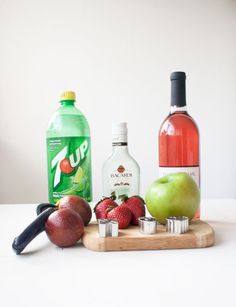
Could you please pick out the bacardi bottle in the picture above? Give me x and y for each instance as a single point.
(120, 173)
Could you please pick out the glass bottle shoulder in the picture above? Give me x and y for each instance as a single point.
(120, 158)
(176, 122)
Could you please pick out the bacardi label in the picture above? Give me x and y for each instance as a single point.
(121, 180)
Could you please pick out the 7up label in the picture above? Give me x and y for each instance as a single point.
(69, 167)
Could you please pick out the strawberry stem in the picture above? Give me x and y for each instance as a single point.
(123, 197)
(113, 196)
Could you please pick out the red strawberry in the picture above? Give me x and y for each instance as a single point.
(103, 206)
(122, 215)
(136, 205)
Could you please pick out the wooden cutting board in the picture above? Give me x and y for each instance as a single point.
(200, 235)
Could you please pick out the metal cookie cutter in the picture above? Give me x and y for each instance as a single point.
(177, 224)
(148, 225)
(107, 228)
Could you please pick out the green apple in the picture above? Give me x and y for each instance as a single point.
(175, 194)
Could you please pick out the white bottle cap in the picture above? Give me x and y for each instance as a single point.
(119, 133)
(119, 128)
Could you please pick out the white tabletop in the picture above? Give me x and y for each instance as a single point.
(45, 275)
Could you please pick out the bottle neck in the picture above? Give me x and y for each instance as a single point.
(67, 103)
(119, 143)
(175, 109)
(178, 95)
(120, 149)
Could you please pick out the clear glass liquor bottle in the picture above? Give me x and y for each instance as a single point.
(120, 172)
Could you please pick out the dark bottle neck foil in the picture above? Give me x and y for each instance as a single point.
(178, 90)
(120, 144)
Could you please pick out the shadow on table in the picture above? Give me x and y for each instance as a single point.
(46, 246)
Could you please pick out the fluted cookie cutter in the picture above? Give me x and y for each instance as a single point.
(147, 225)
(108, 228)
(177, 224)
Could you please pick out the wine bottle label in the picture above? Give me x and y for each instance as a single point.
(194, 172)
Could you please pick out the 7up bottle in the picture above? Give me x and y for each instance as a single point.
(68, 152)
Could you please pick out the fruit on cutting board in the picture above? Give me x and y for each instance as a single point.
(137, 207)
(104, 205)
(126, 213)
(175, 194)
(78, 204)
(64, 227)
(121, 214)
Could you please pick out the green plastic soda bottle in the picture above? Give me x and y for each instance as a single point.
(68, 152)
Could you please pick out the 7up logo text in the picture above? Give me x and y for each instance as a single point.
(62, 163)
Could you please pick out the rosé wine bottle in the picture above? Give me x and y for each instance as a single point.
(179, 136)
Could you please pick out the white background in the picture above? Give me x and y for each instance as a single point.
(117, 56)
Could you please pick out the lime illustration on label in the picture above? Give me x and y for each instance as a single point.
(69, 163)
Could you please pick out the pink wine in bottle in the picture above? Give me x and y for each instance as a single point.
(179, 136)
